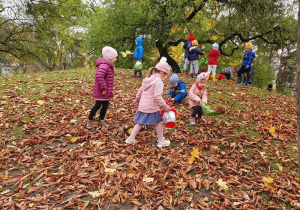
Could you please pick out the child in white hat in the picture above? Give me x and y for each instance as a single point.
(213, 56)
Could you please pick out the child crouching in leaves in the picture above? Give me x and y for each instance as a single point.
(149, 100)
(197, 96)
(177, 91)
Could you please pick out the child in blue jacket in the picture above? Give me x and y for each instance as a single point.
(248, 58)
(193, 58)
(138, 55)
(178, 90)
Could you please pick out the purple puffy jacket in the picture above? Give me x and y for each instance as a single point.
(104, 79)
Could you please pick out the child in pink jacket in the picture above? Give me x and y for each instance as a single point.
(104, 83)
(149, 101)
(197, 96)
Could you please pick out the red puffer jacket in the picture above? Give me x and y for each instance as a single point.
(213, 56)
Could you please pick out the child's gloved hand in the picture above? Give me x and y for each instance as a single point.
(167, 108)
(136, 102)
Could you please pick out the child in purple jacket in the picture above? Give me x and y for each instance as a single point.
(104, 83)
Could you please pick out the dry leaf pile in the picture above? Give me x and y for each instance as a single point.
(244, 159)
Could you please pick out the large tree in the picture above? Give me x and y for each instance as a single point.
(167, 23)
(43, 31)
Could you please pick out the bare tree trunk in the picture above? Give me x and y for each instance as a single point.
(163, 52)
(298, 89)
(60, 55)
(281, 75)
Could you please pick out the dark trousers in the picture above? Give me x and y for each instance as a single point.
(244, 70)
(175, 93)
(97, 106)
(138, 71)
(228, 76)
(197, 110)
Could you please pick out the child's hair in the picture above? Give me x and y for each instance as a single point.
(152, 70)
(195, 43)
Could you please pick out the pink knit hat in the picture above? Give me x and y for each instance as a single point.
(163, 65)
(109, 53)
(201, 76)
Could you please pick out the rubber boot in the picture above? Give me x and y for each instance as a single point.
(208, 76)
(246, 82)
(192, 120)
(214, 77)
(239, 80)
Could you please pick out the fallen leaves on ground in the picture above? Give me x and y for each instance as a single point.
(244, 159)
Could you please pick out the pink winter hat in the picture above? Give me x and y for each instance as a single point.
(109, 53)
(163, 65)
(202, 76)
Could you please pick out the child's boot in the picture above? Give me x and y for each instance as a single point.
(196, 75)
(192, 120)
(239, 80)
(191, 75)
(89, 124)
(163, 143)
(202, 119)
(246, 82)
(102, 123)
(208, 76)
(214, 77)
(129, 141)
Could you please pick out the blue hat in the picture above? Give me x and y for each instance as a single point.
(174, 78)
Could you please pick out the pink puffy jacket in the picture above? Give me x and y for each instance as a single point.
(197, 96)
(104, 79)
(149, 96)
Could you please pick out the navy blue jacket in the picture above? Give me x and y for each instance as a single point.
(194, 52)
(187, 46)
(183, 91)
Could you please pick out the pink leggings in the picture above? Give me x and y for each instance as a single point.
(138, 127)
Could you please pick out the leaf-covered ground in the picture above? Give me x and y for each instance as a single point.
(244, 159)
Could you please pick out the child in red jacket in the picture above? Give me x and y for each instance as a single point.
(213, 56)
